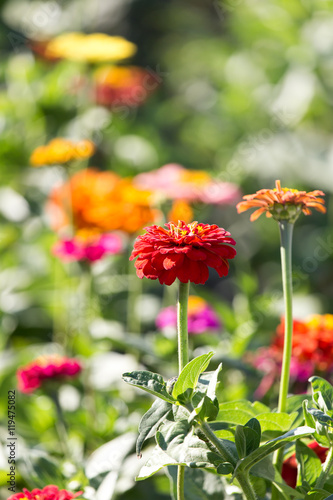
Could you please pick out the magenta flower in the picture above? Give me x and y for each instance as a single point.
(201, 317)
(91, 249)
(192, 185)
(51, 367)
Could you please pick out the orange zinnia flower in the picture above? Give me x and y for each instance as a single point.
(282, 203)
(180, 210)
(100, 202)
(61, 150)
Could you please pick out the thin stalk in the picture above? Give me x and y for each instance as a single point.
(242, 478)
(60, 425)
(325, 473)
(286, 233)
(182, 332)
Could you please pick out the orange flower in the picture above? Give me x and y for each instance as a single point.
(100, 202)
(282, 203)
(61, 150)
(124, 85)
(180, 210)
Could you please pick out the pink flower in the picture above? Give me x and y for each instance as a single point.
(31, 377)
(192, 185)
(91, 249)
(201, 317)
(50, 492)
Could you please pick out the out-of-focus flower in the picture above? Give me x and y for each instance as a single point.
(192, 185)
(183, 251)
(282, 203)
(51, 367)
(50, 492)
(201, 317)
(123, 85)
(100, 202)
(91, 248)
(180, 210)
(289, 467)
(312, 351)
(61, 150)
(93, 48)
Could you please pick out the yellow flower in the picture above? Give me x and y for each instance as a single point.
(96, 47)
(61, 150)
(195, 304)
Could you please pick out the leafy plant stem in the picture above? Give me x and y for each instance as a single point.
(326, 468)
(182, 332)
(286, 233)
(242, 477)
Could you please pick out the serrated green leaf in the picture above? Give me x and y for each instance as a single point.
(247, 463)
(309, 464)
(151, 420)
(322, 393)
(149, 382)
(189, 376)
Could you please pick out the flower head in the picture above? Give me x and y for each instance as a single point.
(192, 185)
(282, 203)
(100, 202)
(91, 248)
(50, 492)
(180, 210)
(183, 251)
(95, 47)
(201, 317)
(123, 85)
(51, 367)
(312, 351)
(61, 150)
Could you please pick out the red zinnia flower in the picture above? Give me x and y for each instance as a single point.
(282, 203)
(184, 252)
(50, 492)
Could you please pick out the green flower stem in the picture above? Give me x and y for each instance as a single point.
(325, 473)
(286, 233)
(60, 426)
(182, 331)
(242, 478)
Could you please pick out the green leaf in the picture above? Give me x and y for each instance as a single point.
(264, 469)
(206, 409)
(157, 460)
(189, 376)
(151, 421)
(239, 412)
(178, 440)
(252, 430)
(198, 484)
(317, 494)
(213, 384)
(240, 441)
(225, 469)
(247, 463)
(321, 417)
(294, 404)
(149, 382)
(275, 424)
(322, 393)
(321, 436)
(309, 464)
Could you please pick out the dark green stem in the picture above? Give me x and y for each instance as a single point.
(242, 477)
(286, 233)
(182, 332)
